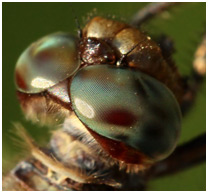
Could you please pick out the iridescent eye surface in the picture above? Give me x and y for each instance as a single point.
(125, 105)
(46, 62)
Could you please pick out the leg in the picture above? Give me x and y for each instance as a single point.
(150, 11)
(183, 157)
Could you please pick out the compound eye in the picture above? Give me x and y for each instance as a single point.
(126, 107)
(46, 62)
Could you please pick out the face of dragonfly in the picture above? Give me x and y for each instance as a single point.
(179, 57)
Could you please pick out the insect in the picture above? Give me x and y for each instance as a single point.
(104, 179)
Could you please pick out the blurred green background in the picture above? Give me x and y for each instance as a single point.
(24, 23)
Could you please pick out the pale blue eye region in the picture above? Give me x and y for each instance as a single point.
(126, 105)
(47, 62)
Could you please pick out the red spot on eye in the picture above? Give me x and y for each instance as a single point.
(119, 117)
(20, 81)
(44, 56)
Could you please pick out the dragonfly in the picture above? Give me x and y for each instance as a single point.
(46, 170)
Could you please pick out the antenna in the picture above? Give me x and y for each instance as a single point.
(77, 24)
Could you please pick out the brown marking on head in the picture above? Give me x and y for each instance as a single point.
(121, 151)
(96, 51)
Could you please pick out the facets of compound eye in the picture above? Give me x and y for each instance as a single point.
(46, 62)
(127, 106)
